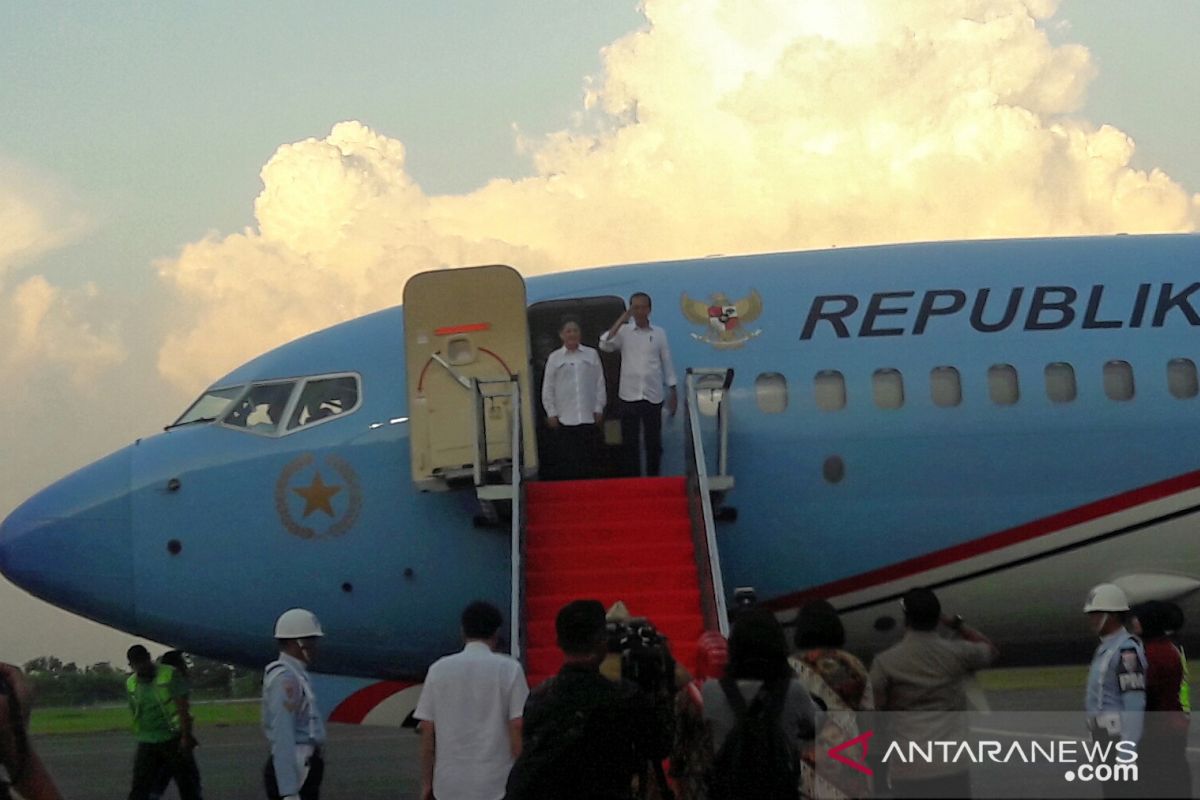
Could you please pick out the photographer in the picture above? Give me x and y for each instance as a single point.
(22, 769)
(585, 737)
(640, 655)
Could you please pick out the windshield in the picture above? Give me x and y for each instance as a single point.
(261, 410)
(210, 406)
(324, 398)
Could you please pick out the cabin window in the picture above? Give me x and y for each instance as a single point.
(1002, 384)
(1118, 381)
(324, 398)
(1181, 378)
(1060, 382)
(833, 469)
(209, 406)
(770, 389)
(888, 386)
(945, 386)
(709, 391)
(261, 409)
(829, 388)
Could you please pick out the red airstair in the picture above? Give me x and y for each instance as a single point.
(626, 539)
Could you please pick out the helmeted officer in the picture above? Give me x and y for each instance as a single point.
(291, 719)
(1116, 684)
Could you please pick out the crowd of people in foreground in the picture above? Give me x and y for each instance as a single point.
(751, 722)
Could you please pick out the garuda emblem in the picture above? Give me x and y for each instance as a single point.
(724, 319)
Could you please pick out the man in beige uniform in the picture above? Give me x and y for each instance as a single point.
(923, 676)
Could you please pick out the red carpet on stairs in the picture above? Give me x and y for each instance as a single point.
(624, 539)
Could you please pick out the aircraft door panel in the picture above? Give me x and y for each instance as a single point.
(459, 325)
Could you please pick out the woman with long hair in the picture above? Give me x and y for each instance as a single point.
(760, 711)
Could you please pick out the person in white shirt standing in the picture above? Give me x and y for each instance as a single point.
(645, 367)
(470, 711)
(574, 396)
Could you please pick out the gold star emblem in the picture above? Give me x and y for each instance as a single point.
(317, 496)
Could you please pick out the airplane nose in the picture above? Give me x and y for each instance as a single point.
(71, 543)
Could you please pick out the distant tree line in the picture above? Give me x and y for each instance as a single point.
(66, 684)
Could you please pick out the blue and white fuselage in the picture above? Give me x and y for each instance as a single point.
(855, 476)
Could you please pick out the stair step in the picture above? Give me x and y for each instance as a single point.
(675, 627)
(667, 602)
(560, 550)
(550, 491)
(543, 660)
(665, 529)
(610, 510)
(585, 582)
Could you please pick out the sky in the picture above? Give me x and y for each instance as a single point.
(169, 172)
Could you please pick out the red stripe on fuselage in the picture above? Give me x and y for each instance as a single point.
(354, 709)
(992, 542)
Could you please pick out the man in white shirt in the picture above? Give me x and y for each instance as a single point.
(470, 711)
(645, 367)
(574, 395)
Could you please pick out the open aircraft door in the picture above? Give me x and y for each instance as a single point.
(464, 327)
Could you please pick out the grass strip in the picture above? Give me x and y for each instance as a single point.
(95, 719)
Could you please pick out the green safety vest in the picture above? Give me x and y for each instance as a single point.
(155, 714)
(1185, 689)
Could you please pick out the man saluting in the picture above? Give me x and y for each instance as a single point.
(645, 367)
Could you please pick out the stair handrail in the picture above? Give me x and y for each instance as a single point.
(698, 466)
(723, 426)
(481, 456)
(516, 610)
(512, 389)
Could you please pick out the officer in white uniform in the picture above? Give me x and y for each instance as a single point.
(1116, 684)
(291, 719)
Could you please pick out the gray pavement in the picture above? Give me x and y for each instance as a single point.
(383, 763)
(362, 764)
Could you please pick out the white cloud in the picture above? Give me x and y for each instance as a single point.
(341, 227)
(723, 126)
(35, 218)
(42, 326)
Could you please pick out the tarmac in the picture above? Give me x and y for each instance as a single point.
(364, 763)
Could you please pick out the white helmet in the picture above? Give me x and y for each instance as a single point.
(297, 623)
(1106, 597)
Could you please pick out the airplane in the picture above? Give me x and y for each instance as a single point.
(1009, 422)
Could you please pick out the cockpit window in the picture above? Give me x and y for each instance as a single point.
(211, 405)
(323, 398)
(262, 408)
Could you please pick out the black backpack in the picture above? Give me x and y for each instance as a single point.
(548, 768)
(756, 761)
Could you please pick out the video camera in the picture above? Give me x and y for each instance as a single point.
(645, 657)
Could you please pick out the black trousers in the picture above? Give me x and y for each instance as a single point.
(1163, 769)
(311, 790)
(153, 762)
(641, 420)
(575, 448)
